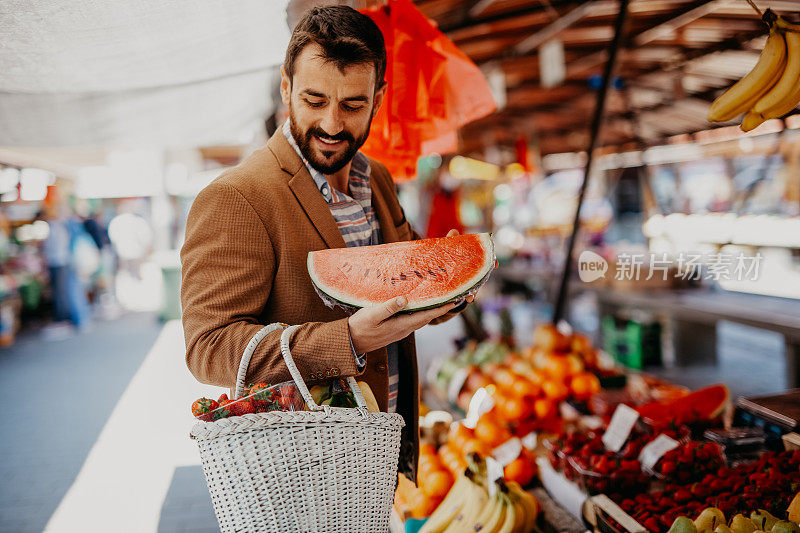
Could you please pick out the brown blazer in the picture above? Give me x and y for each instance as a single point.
(244, 265)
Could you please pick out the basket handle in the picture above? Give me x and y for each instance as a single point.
(287, 358)
(298, 379)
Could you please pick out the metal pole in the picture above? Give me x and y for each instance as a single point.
(597, 119)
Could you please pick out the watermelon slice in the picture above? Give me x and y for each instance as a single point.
(700, 405)
(429, 272)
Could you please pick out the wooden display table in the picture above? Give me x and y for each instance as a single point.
(690, 318)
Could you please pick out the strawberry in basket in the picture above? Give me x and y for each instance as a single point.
(203, 407)
(263, 397)
(239, 407)
(289, 398)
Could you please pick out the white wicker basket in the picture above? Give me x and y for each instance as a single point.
(328, 469)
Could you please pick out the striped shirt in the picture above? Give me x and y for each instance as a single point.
(359, 227)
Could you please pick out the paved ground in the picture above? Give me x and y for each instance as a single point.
(96, 425)
(58, 395)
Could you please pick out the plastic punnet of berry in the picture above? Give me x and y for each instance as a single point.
(258, 398)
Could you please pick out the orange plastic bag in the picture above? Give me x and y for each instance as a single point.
(433, 89)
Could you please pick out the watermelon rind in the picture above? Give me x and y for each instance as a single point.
(334, 298)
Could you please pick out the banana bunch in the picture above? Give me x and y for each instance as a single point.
(467, 508)
(511, 510)
(772, 88)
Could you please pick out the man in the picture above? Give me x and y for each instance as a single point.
(249, 232)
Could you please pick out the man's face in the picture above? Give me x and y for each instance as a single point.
(329, 110)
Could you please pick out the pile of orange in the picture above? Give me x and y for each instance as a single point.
(435, 475)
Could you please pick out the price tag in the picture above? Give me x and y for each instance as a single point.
(508, 451)
(615, 511)
(530, 440)
(620, 427)
(592, 422)
(457, 381)
(494, 471)
(655, 450)
(481, 402)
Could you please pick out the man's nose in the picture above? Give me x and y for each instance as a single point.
(332, 122)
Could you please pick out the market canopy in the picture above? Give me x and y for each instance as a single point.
(676, 56)
(154, 72)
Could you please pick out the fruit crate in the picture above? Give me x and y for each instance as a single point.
(632, 343)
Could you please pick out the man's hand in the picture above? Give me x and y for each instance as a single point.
(375, 327)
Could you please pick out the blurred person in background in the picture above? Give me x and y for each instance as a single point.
(71, 257)
(249, 233)
(56, 249)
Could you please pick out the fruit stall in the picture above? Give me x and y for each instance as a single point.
(619, 450)
(599, 443)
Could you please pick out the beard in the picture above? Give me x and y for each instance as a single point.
(325, 161)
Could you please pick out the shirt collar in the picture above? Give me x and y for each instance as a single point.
(360, 165)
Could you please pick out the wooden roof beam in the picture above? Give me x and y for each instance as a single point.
(557, 26)
(695, 11)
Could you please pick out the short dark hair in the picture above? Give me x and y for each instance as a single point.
(346, 36)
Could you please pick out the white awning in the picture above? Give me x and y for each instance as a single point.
(151, 72)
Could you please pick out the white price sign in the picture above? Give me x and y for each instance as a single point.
(655, 450)
(530, 440)
(481, 402)
(457, 381)
(508, 451)
(620, 427)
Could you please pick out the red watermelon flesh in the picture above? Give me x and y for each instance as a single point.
(703, 404)
(429, 272)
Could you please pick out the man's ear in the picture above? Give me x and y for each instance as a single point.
(379, 94)
(286, 87)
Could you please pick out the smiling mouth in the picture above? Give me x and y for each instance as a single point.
(328, 141)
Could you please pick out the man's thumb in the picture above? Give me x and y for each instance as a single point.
(395, 305)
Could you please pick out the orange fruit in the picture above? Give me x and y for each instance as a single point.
(491, 432)
(513, 408)
(584, 385)
(580, 343)
(555, 390)
(477, 446)
(504, 377)
(524, 388)
(575, 364)
(428, 464)
(446, 451)
(557, 366)
(423, 506)
(521, 470)
(426, 448)
(544, 408)
(437, 483)
(537, 377)
(548, 338)
(459, 434)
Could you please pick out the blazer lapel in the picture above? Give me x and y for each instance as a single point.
(388, 231)
(305, 190)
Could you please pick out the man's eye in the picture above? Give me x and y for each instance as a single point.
(315, 104)
(352, 108)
